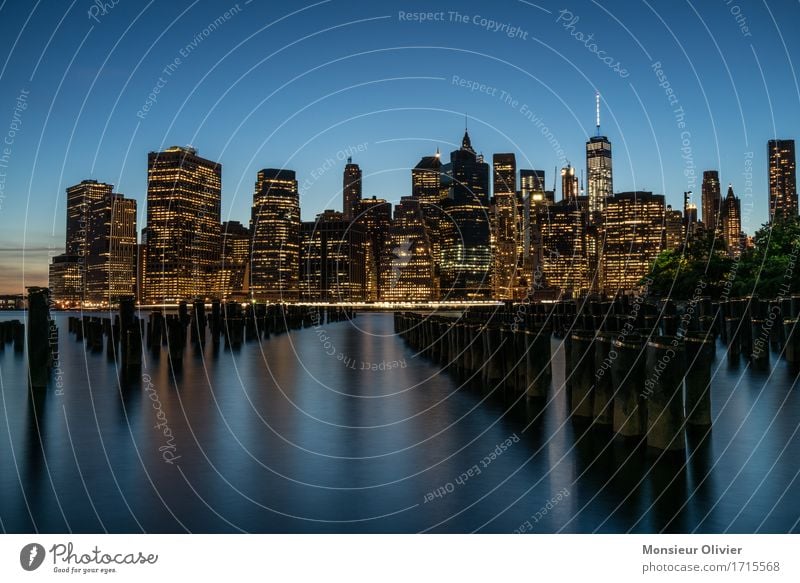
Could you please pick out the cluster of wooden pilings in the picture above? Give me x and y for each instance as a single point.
(126, 336)
(12, 331)
(752, 328)
(641, 370)
(120, 337)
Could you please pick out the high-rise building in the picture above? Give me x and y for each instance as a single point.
(689, 216)
(374, 215)
(111, 262)
(504, 226)
(409, 270)
(634, 236)
(570, 189)
(351, 188)
(562, 230)
(711, 201)
(332, 259)
(464, 228)
(141, 268)
(275, 231)
(66, 280)
(80, 201)
(599, 176)
(233, 277)
(782, 179)
(532, 194)
(732, 223)
(183, 225)
(426, 187)
(673, 229)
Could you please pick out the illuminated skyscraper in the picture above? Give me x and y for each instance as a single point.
(80, 200)
(531, 195)
(183, 225)
(233, 277)
(782, 179)
(374, 215)
(599, 176)
(732, 223)
(409, 274)
(351, 188)
(570, 189)
(66, 281)
(673, 229)
(634, 236)
(332, 259)
(564, 261)
(504, 226)
(426, 187)
(712, 201)
(465, 244)
(689, 216)
(111, 262)
(275, 229)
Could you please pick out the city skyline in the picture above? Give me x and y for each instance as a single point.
(533, 96)
(461, 235)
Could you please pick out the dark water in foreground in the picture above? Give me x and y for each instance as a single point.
(292, 436)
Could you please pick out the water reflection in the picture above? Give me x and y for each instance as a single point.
(285, 436)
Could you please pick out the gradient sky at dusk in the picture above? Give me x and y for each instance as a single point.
(300, 85)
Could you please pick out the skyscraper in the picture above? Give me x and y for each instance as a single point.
(183, 225)
(634, 236)
(599, 181)
(711, 201)
(504, 226)
(674, 232)
(111, 262)
(465, 245)
(66, 279)
(275, 229)
(426, 187)
(563, 248)
(80, 201)
(570, 189)
(732, 223)
(782, 179)
(332, 260)
(409, 274)
(233, 277)
(374, 215)
(351, 188)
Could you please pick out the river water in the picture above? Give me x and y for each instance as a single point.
(344, 429)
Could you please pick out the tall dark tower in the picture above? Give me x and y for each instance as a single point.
(465, 241)
(712, 201)
(599, 181)
(351, 188)
(732, 223)
(426, 187)
(782, 179)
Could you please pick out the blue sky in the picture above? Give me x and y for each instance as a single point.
(301, 85)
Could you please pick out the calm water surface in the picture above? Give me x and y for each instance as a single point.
(291, 435)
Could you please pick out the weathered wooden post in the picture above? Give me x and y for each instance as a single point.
(665, 417)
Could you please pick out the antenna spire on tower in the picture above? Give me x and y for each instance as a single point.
(597, 110)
